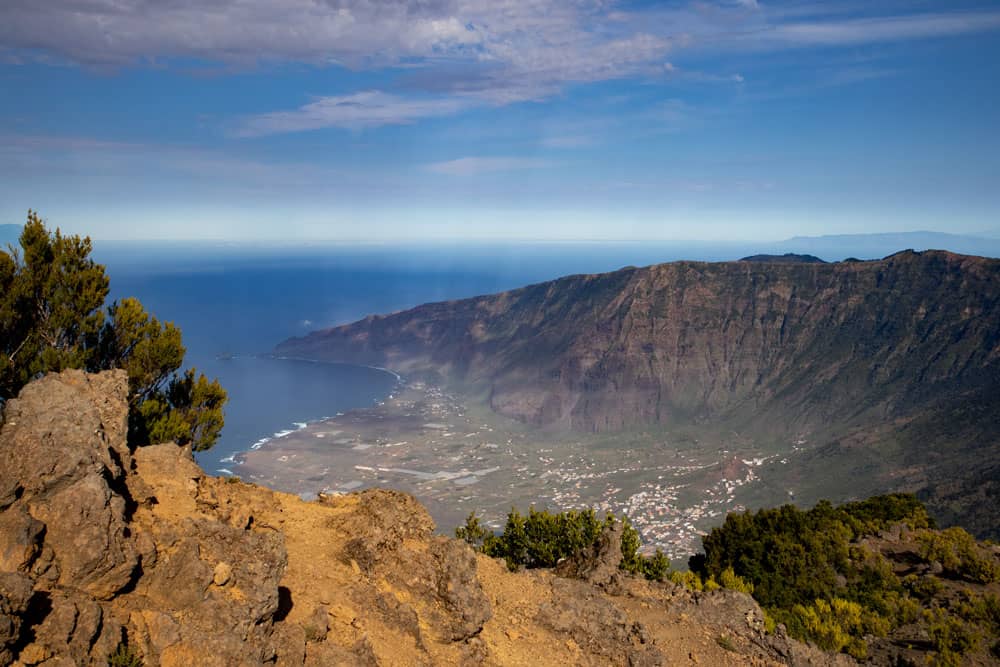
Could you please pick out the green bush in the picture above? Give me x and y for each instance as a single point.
(52, 319)
(729, 579)
(542, 539)
(124, 656)
(837, 625)
(807, 569)
(687, 579)
(925, 587)
(472, 532)
(951, 637)
(958, 554)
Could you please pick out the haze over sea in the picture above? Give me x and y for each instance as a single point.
(234, 302)
(240, 300)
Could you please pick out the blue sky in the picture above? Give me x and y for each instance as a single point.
(500, 119)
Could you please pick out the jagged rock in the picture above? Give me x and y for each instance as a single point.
(318, 624)
(60, 461)
(599, 564)
(100, 545)
(597, 624)
(20, 540)
(459, 590)
(382, 521)
(70, 628)
(15, 594)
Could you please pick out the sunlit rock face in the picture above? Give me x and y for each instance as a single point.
(107, 549)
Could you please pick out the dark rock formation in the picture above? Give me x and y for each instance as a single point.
(787, 258)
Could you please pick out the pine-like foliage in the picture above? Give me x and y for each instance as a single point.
(52, 318)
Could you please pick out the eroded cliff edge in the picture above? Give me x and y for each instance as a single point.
(101, 546)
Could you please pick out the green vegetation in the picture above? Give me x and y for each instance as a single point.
(51, 319)
(124, 656)
(956, 550)
(814, 571)
(726, 643)
(542, 539)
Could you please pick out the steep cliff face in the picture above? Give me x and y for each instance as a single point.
(102, 546)
(809, 343)
(891, 367)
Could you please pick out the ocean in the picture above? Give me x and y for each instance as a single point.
(235, 301)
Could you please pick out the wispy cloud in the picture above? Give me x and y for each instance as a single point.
(371, 108)
(457, 54)
(91, 158)
(468, 166)
(567, 141)
(884, 29)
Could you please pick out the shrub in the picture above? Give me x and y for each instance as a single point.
(731, 580)
(542, 539)
(837, 625)
(808, 570)
(951, 637)
(472, 532)
(687, 579)
(656, 567)
(958, 554)
(925, 587)
(124, 656)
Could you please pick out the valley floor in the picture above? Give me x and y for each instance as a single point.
(457, 457)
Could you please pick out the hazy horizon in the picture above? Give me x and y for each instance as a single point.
(630, 120)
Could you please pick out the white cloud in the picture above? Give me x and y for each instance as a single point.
(458, 54)
(371, 108)
(468, 166)
(895, 28)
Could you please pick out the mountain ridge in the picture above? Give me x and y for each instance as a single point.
(845, 352)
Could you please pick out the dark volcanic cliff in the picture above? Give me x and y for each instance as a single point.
(681, 341)
(902, 352)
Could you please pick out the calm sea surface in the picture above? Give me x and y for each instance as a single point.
(235, 301)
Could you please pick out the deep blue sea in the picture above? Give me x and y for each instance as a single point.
(236, 301)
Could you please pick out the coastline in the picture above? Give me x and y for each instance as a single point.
(235, 459)
(399, 378)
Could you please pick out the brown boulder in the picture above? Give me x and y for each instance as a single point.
(61, 460)
(458, 589)
(15, 595)
(599, 563)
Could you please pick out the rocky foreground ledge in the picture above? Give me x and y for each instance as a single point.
(103, 547)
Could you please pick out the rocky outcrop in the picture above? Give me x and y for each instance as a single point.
(598, 565)
(104, 548)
